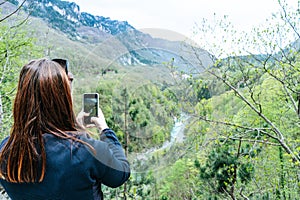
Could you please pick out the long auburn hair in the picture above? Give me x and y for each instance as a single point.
(43, 104)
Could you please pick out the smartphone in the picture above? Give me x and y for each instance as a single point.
(91, 106)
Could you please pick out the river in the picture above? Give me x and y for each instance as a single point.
(177, 136)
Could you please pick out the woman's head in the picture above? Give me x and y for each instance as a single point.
(44, 97)
(43, 104)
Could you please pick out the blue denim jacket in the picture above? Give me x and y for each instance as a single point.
(73, 171)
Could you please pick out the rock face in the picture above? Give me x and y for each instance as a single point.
(66, 16)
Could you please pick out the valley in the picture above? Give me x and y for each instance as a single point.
(194, 126)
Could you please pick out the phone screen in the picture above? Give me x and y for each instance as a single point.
(90, 105)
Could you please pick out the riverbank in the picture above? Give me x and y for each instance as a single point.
(176, 136)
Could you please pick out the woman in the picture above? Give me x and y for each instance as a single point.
(46, 156)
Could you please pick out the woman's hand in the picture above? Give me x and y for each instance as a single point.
(80, 119)
(98, 122)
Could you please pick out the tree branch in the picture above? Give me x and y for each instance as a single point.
(3, 2)
(242, 195)
(22, 22)
(287, 19)
(229, 124)
(9, 15)
(280, 138)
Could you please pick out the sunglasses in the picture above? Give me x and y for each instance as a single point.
(62, 62)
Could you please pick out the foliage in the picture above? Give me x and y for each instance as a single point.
(15, 49)
(144, 112)
(178, 181)
(224, 167)
(245, 134)
(242, 141)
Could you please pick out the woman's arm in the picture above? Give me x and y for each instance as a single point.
(108, 152)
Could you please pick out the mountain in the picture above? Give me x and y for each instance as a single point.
(66, 16)
(118, 41)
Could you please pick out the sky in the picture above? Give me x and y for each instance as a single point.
(180, 15)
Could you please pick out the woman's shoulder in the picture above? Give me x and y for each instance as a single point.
(78, 144)
(66, 150)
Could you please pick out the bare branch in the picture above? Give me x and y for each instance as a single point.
(287, 19)
(280, 138)
(248, 129)
(230, 124)
(5, 65)
(242, 195)
(22, 22)
(9, 15)
(255, 141)
(3, 2)
(266, 142)
(285, 87)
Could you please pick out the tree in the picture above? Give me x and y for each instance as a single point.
(262, 79)
(279, 62)
(224, 167)
(15, 46)
(13, 12)
(178, 181)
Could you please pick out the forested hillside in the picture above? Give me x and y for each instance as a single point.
(239, 116)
